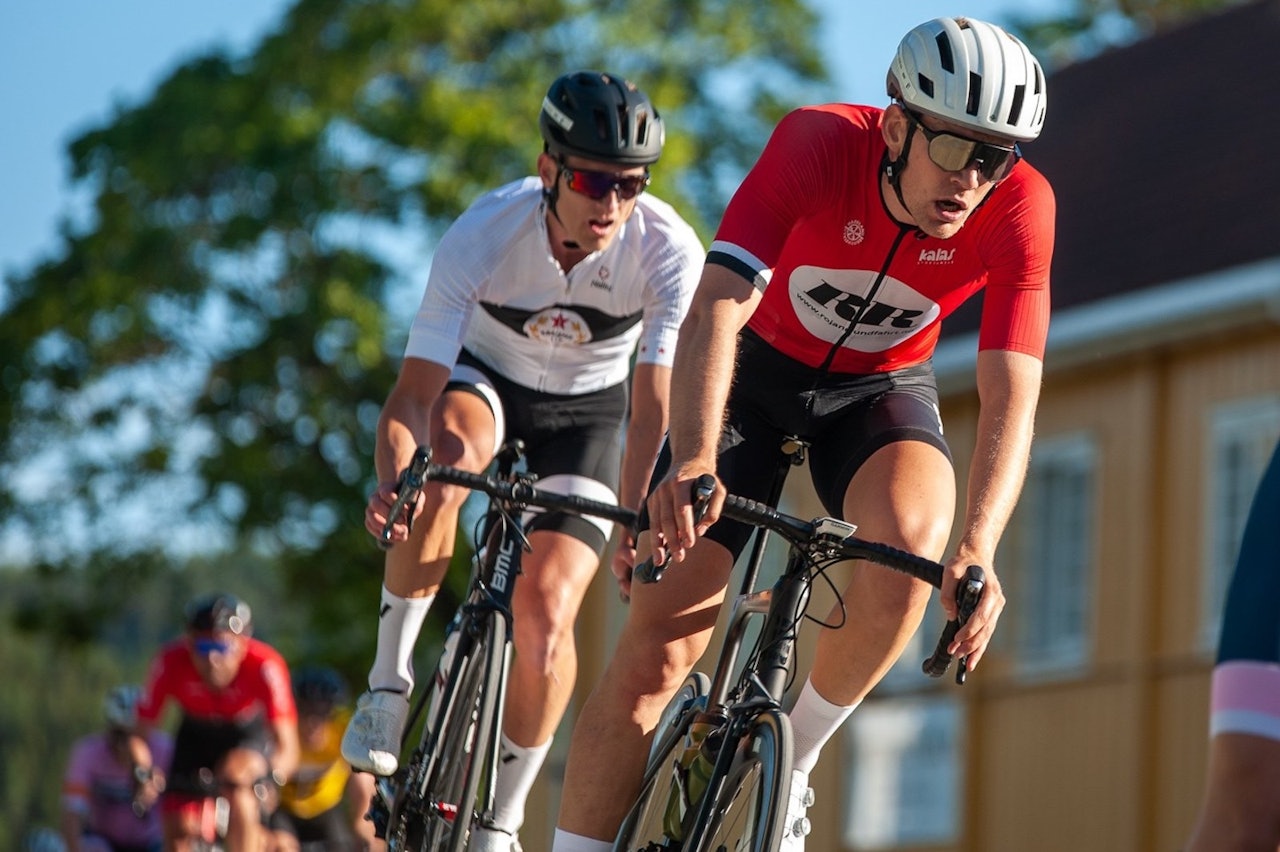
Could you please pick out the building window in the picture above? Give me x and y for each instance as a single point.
(1241, 435)
(903, 773)
(1053, 550)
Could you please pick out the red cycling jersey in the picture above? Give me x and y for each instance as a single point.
(261, 686)
(808, 219)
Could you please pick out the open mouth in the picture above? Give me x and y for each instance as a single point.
(951, 210)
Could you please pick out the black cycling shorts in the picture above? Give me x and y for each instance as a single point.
(572, 443)
(202, 744)
(844, 418)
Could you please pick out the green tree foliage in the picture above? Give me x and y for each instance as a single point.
(199, 368)
(1092, 26)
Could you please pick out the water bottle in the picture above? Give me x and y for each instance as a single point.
(693, 770)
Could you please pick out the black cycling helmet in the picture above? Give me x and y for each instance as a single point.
(318, 689)
(218, 612)
(600, 117)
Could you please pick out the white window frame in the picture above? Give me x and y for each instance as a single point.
(1241, 436)
(1054, 556)
(903, 772)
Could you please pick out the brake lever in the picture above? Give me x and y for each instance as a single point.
(704, 486)
(968, 596)
(408, 489)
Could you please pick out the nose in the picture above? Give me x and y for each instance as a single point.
(612, 198)
(969, 177)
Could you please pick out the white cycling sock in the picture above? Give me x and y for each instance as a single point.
(566, 842)
(399, 620)
(814, 720)
(516, 773)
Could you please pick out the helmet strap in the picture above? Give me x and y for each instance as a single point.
(550, 195)
(893, 170)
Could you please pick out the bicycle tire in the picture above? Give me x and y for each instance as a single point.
(750, 812)
(463, 744)
(644, 830)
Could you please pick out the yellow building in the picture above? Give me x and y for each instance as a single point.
(1085, 728)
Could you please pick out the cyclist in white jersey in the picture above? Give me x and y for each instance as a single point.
(538, 298)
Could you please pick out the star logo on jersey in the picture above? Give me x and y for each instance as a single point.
(558, 325)
(854, 232)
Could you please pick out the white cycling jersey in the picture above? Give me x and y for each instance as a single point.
(496, 289)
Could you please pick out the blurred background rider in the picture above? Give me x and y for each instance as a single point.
(238, 722)
(324, 802)
(113, 780)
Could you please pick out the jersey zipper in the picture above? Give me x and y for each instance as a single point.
(903, 230)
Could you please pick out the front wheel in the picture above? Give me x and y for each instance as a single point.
(654, 820)
(463, 743)
(750, 812)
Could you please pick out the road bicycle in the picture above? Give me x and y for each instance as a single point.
(211, 814)
(446, 785)
(719, 771)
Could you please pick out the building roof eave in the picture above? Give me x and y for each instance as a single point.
(1246, 295)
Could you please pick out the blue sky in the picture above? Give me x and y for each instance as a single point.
(66, 64)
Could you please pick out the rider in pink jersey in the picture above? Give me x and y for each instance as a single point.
(113, 780)
(855, 234)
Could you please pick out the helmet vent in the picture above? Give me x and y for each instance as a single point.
(975, 93)
(945, 57)
(926, 85)
(642, 127)
(1015, 108)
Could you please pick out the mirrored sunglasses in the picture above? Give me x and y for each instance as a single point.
(597, 185)
(952, 153)
(205, 647)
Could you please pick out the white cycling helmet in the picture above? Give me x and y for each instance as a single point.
(121, 706)
(973, 74)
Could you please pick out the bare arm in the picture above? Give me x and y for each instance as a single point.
(1008, 391)
(700, 381)
(287, 753)
(404, 425)
(650, 400)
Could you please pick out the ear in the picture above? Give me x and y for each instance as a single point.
(893, 127)
(548, 170)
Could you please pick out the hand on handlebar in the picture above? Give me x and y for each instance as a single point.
(977, 630)
(624, 562)
(973, 606)
(393, 507)
(677, 517)
(705, 493)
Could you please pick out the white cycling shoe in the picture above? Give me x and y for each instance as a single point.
(372, 739)
(485, 839)
(796, 825)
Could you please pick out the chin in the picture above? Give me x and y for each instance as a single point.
(944, 230)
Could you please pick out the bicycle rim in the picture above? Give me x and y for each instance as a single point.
(443, 820)
(751, 809)
(661, 802)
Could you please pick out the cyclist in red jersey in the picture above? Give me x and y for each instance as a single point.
(857, 231)
(238, 720)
